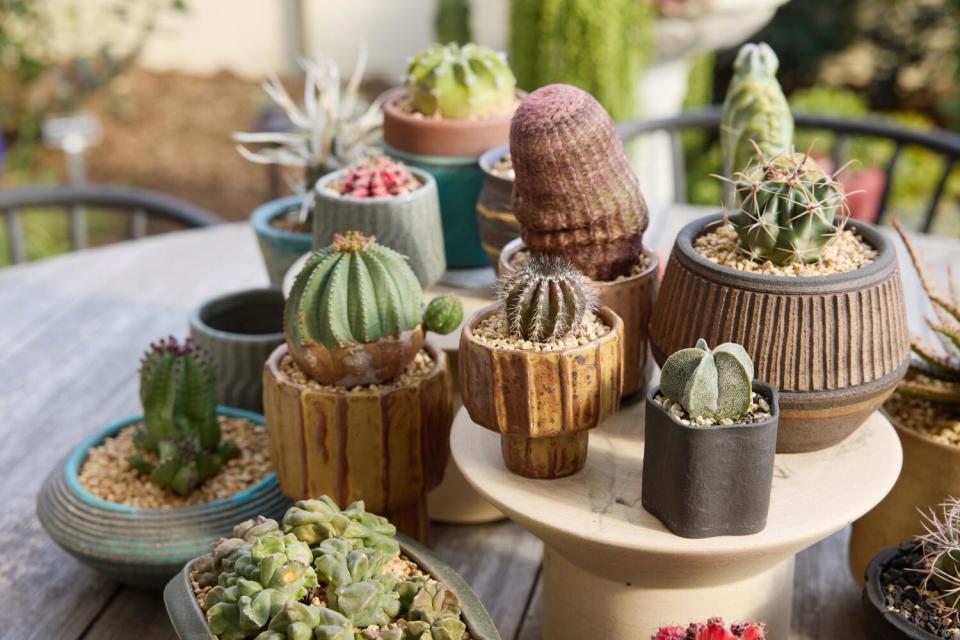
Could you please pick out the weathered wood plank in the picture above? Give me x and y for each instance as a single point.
(132, 613)
(826, 601)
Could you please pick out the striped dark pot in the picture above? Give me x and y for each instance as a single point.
(240, 330)
(495, 219)
(143, 547)
(834, 346)
(190, 623)
(881, 622)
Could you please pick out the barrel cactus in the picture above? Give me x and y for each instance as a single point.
(755, 110)
(941, 550)
(458, 82)
(787, 209)
(545, 299)
(181, 431)
(715, 384)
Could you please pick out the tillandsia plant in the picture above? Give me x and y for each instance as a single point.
(755, 111)
(545, 299)
(941, 552)
(713, 629)
(322, 574)
(181, 431)
(715, 384)
(786, 208)
(377, 177)
(935, 376)
(459, 82)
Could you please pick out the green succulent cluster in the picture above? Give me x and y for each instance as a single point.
(714, 384)
(269, 576)
(178, 390)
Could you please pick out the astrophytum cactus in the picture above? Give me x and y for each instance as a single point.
(574, 192)
(545, 299)
(714, 384)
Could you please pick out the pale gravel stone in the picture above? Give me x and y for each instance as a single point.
(492, 331)
(758, 412)
(420, 367)
(929, 419)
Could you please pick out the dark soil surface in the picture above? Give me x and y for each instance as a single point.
(902, 584)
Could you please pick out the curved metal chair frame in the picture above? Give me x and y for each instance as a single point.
(944, 143)
(140, 204)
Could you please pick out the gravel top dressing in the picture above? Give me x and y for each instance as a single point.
(903, 590)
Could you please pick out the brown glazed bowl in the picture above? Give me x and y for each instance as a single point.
(495, 220)
(835, 346)
(359, 364)
(417, 135)
(630, 298)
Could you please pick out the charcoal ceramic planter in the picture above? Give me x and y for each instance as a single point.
(883, 624)
(280, 248)
(143, 547)
(408, 223)
(239, 331)
(834, 346)
(495, 220)
(190, 623)
(702, 482)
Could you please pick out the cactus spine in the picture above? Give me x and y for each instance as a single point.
(178, 390)
(714, 384)
(545, 299)
(941, 551)
(459, 82)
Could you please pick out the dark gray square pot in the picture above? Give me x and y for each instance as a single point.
(702, 482)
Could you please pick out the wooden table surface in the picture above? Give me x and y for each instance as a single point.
(72, 330)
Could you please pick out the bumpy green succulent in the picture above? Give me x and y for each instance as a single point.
(298, 621)
(545, 299)
(443, 315)
(755, 110)
(178, 390)
(339, 563)
(786, 208)
(714, 384)
(460, 82)
(314, 521)
(372, 602)
(240, 611)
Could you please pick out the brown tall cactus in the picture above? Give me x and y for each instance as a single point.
(575, 194)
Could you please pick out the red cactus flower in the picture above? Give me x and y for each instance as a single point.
(670, 633)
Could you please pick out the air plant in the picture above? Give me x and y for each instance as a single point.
(941, 551)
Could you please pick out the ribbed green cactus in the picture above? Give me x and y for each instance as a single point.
(545, 299)
(941, 548)
(443, 315)
(786, 208)
(755, 110)
(178, 390)
(459, 82)
(714, 384)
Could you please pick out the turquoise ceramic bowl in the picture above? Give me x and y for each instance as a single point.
(143, 547)
(280, 248)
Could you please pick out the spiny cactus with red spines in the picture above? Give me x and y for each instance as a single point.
(378, 177)
(714, 629)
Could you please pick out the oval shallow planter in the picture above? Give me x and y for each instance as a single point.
(408, 223)
(883, 624)
(240, 330)
(280, 248)
(495, 220)
(143, 547)
(632, 299)
(834, 346)
(702, 482)
(190, 623)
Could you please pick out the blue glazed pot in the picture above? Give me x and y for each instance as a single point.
(143, 547)
(280, 248)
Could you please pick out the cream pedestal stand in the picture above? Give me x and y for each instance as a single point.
(611, 570)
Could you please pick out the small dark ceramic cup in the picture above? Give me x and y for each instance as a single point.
(881, 623)
(702, 482)
(495, 218)
(240, 330)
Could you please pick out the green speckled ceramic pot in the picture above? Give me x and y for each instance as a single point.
(190, 623)
(143, 547)
(280, 248)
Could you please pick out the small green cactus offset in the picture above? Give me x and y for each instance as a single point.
(787, 209)
(443, 315)
(458, 82)
(714, 384)
(178, 390)
(545, 299)
(755, 110)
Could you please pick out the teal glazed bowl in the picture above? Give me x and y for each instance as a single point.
(280, 248)
(143, 547)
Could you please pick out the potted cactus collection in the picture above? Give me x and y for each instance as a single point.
(382, 197)
(145, 494)
(711, 436)
(815, 299)
(326, 574)
(495, 220)
(712, 629)
(456, 103)
(576, 196)
(357, 405)
(913, 591)
(542, 367)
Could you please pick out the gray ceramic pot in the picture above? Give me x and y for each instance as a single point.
(702, 482)
(280, 248)
(408, 223)
(240, 330)
(881, 623)
(495, 219)
(190, 623)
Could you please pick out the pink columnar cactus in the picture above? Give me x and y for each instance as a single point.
(714, 629)
(575, 194)
(377, 178)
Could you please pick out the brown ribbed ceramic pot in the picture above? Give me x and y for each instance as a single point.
(542, 404)
(495, 220)
(387, 447)
(835, 346)
(630, 298)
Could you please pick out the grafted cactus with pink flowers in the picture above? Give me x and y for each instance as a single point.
(713, 629)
